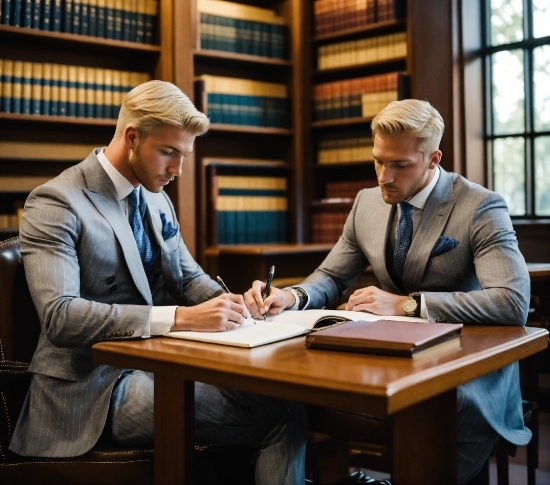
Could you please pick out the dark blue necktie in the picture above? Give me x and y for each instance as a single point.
(403, 237)
(142, 240)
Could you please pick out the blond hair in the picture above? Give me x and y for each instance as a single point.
(155, 103)
(411, 117)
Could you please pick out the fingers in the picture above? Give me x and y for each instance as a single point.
(253, 299)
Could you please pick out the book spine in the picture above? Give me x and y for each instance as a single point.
(55, 90)
(84, 17)
(37, 75)
(57, 10)
(140, 21)
(46, 15)
(72, 90)
(101, 18)
(6, 12)
(108, 93)
(36, 14)
(6, 88)
(92, 18)
(150, 20)
(118, 16)
(26, 92)
(76, 16)
(110, 19)
(81, 91)
(44, 107)
(26, 14)
(16, 8)
(99, 89)
(67, 24)
(63, 90)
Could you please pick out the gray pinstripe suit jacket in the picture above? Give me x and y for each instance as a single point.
(88, 284)
(484, 279)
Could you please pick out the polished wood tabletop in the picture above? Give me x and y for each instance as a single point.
(408, 389)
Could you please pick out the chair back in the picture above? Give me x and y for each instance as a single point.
(19, 323)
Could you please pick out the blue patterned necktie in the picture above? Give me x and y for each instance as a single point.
(142, 240)
(403, 237)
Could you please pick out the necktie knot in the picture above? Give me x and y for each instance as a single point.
(403, 237)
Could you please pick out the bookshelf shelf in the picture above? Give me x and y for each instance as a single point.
(236, 58)
(324, 124)
(340, 166)
(386, 27)
(58, 120)
(15, 34)
(260, 130)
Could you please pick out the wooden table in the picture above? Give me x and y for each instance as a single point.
(419, 394)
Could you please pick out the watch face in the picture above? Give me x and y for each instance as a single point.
(409, 305)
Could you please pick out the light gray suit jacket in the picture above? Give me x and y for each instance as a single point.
(88, 284)
(483, 279)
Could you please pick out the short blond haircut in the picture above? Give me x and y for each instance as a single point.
(155, 103)
(411, 117)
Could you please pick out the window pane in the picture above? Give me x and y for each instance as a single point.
(541, 18)
(506, 21)
(508, 92)
(542, 176)
(509, 172)
(541, 76)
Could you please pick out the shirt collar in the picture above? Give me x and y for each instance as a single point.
(122, 185)
(419, 200)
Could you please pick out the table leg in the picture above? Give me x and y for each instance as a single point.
(174, 429)
(424, 442)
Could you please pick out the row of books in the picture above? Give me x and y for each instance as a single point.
(330, 213)
(61, 90)
(10, 221)
(335, 15)
(363, 51)
(349, 147)
(234, 27)
(358, 97)
(127, 20)
(248, 209)
(237, 101)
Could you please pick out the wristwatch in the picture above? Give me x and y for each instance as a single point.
(412, 305)
(300, 295)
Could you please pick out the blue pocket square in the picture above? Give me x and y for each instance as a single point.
(168, 230)
(443, 245)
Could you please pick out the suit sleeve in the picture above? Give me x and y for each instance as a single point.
(503, 289)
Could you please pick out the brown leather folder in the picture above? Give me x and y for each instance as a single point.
(393, 337)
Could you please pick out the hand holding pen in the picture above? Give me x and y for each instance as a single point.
(268, 286)
(225, 288)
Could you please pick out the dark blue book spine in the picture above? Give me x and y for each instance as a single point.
(57, 8)
(36, 14)
(7, 86)
(26, 16)
(126, 21)
(110, 19)
(101, 20)
(92, 19)
(84, 18)
(140, 21)
(46, 14)
(132, 20)
(118, 20)
(150, 21)
(67, 24)
(77, 12)
(6, 13)
(17, 7)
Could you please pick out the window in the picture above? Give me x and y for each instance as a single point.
(517, 62)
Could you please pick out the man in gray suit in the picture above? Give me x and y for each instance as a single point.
(458, 261)
(104, 259)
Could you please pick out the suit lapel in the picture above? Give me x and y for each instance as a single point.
(434, 218)
(103, 196)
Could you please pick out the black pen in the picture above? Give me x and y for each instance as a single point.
(224, 287)
(268, 286)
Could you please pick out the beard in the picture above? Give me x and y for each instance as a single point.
(140, 171)
(411, 191)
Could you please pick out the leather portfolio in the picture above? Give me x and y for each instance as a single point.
(393, 337)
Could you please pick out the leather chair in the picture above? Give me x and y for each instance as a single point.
(106, 463)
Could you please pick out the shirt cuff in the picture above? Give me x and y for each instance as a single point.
(296, 305)
(161, 319)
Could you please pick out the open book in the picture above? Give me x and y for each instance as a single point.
(288, 324)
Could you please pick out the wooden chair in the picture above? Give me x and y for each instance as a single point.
(106, 463)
